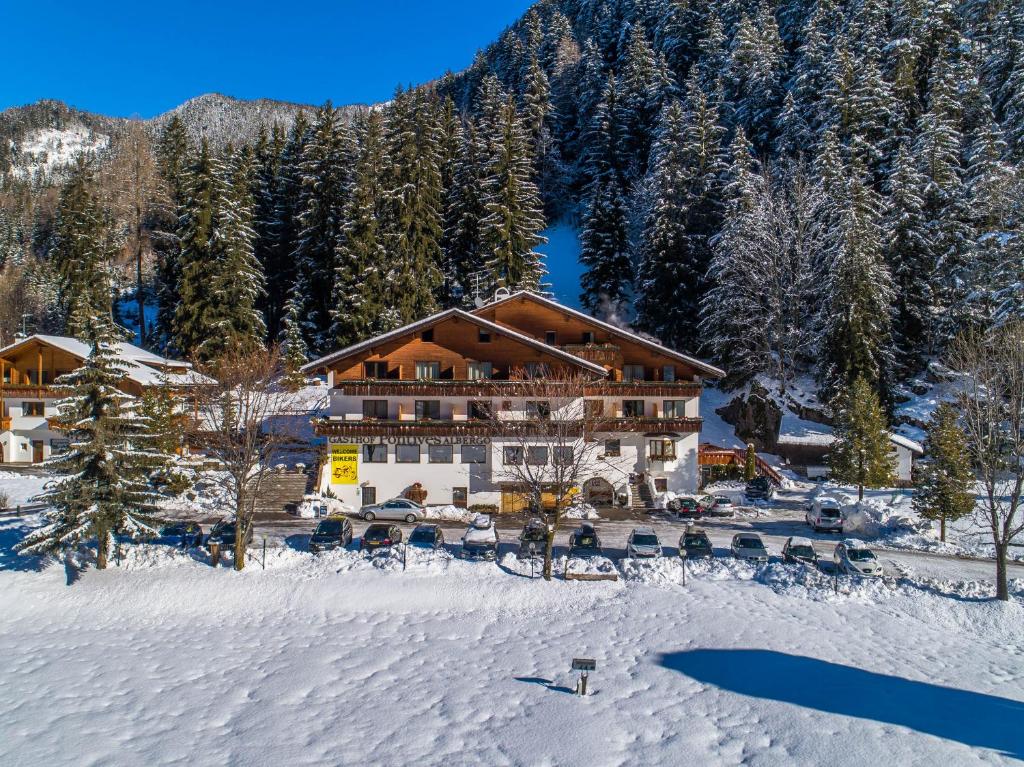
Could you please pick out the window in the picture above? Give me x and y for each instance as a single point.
(668, 373)
(375, 369)
(427, 335)
(536, 370)
(632, 372)
(428, 409)
(375, 453)
(662, 450)
(537, 456)
(407, 453)
(474, 453)
(33, 408)
(428, 371)
(632, 408)
(563, 455)
(612, 448)
(588, 337)
(594, 408)
(439, 453)
(483, 336)
(513, 456)
(369, 495)
(550, 337)
(376, 409)
(480, 410)
(539, 410)
(674, 408)
(479, 371)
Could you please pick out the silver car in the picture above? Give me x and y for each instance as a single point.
(643, 542)
(749, 546)
(397, 508)
(852, 557)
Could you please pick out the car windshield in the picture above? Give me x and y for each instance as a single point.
(645, 540)
(422, 536)
(749, 543)
(586, 540)
(859, 555)
(329, 527)
(695, 542)
(830, 513)
(801, 551)
(376, 533)
(473, 544)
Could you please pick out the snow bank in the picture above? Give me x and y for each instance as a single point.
(21, 488)
(448, 513)
(581, 510)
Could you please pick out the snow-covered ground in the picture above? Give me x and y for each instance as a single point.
(49, 149)
(20, 488)
(346, 659)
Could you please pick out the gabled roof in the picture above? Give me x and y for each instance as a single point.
(433, 319)
(141, 366)
(704, 367)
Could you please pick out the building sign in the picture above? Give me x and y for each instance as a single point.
(344, 464)
(382, 440)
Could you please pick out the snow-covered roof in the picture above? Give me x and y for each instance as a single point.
(906, 442)
(433, 319)
(822, 439)
(710, 370)
(143, 367)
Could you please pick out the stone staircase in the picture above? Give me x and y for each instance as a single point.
(640, 496)
(282, 492)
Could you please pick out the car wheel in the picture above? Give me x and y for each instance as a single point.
(369, 516)
(410, 518)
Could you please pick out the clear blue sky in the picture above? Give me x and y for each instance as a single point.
(143, 57)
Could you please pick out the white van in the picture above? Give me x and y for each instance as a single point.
(826, 514)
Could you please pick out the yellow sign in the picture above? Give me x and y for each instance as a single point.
(344, 464)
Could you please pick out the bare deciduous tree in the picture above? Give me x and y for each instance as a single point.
(992, 412)
(237, 423)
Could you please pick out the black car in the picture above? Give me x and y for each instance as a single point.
(695, 544)
(533, 539)
(584, 542)
(185, 535)
(331, 533)
(380, 536)
(760, 488)
(224, 533)
(427, 537)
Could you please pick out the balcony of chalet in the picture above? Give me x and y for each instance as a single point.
(28, 391)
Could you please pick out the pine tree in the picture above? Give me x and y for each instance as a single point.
(604, 249)
(464, 214)
(174, 155)
(944, 480)
(860, 454)
(266, 193)
(749, 463)
(293, 347)
(755, 76)
(510, 230)
(103, 490)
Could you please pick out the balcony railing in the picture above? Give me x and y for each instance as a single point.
(496, 387)
(327, 427)
(28, 391)
(629, 389)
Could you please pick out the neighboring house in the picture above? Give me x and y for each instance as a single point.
(28, 399)
(423, 404)
(808, 454)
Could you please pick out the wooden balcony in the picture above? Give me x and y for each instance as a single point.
(28, 391)
(5, 423)
(630, 389)
(335, 427)
(608, 355)
(655, 425)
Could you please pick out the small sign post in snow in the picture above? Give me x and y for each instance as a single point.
(583, 665)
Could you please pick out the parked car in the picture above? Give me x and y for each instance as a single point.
(480, 541)
(185, 535)
(760, 489)
(825, 514)
(380, 536)
(854, 558)
(797, 549)
(695, 544)
(749, 546)
(331, 533)
(722, 507)
(584, 542)
(533, 538)
(686, 507)
(397, 508)
(224, 533)
(427, 537)
(643, 542)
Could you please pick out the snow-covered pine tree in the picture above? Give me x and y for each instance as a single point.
(103, 490)
(510, 230)
(644, 86)
(324, 188)
(266, 198)
(860, 454)
(604, 249)
(465, 211)
(294, 353)
(755, 76)
(944, 481)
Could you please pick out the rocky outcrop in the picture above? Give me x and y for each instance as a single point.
(755, 416)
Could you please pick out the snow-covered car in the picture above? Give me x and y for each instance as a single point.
(427, 537)
(480, 541)
(748, 546)
(695, 544)
(584, 542)
(397, 508)
(760, 489)
(184, 535)
(533, 538)
(331, 533)
(853, 557)
(797, 549)
(722, 507)
(380, 536)
(224, 533)
(643, 542)
(825, 514)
